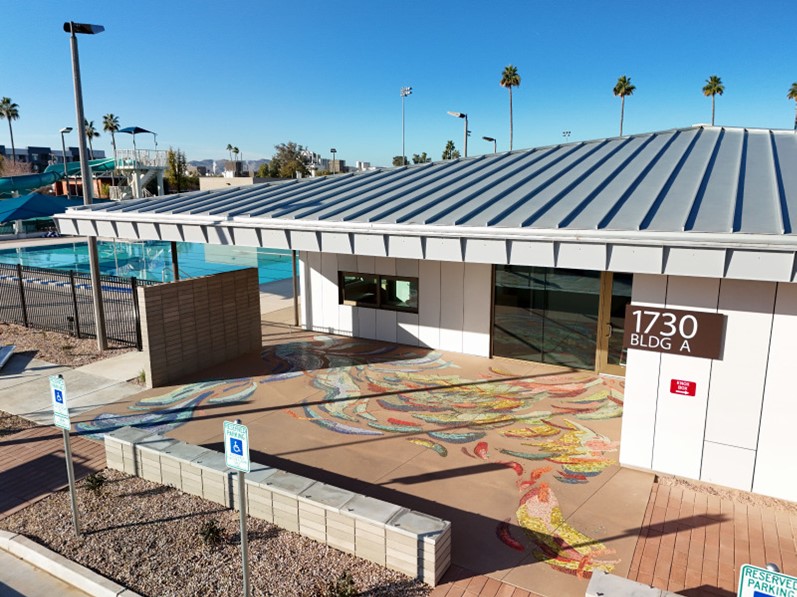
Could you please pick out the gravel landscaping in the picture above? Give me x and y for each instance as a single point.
(55, 347)
(148, 538)
(11, 424)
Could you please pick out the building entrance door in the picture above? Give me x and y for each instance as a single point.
(615, 295)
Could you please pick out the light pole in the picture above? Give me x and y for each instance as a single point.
(493, 141)
(333, 151)
(405, 91)
(64, 131)
(465, 116)
(85, 173)
(566, 135)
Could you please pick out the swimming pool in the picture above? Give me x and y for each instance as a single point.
(152, 260)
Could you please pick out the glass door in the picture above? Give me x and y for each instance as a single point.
(615, 295)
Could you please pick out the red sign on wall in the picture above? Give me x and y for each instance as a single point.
(684, 388)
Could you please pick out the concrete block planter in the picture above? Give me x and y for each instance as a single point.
(120, 449)
(370, 517)
(419, 545)
(315, 504)
(148, 456)
(176, 468)
(216, 477)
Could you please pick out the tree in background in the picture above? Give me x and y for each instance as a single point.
(713, 87)
(229, 150)
(420, 158)
(399, 161)
(509, 79)
(10, 111)
(450, 152)
(289, 159)
(792, 95)
(91, 133)
(110, 124)
(622, 89)
(176, 175)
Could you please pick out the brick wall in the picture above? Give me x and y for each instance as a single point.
(189, 325)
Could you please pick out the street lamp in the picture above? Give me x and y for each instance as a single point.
(405, 91)
(493, 141)
(333, 151)
(566, 135)
(64, 131)
(85, 173)
(465, 116)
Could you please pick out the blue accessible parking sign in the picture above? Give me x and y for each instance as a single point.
(760, 582)
(236, 446)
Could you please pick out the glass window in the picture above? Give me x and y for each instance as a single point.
(398, 293)
(358, 289)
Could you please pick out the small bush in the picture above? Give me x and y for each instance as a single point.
(342, 587)
(95, 483)
(212, 533)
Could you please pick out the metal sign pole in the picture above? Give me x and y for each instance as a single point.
(236, 456)
(70, 473)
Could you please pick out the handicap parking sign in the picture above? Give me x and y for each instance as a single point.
(58, 395)
(236, 446)
(60, 408)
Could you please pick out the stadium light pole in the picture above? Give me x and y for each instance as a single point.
(493, 141)
(64, 131)
(405, 92)
(333, 151)
(465, 116)
(85, 173)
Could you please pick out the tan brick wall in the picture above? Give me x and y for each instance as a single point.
(189, 325)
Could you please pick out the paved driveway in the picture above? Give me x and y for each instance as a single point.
(521, 457)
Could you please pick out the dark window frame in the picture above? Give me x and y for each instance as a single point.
(342, 300)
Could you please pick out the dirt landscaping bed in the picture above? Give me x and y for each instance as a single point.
(148, 537)
(11, 424)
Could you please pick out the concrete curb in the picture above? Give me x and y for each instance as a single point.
(62, 568)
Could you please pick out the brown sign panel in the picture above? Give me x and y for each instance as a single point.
(673, 331)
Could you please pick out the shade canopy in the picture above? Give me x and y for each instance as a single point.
(134, 130)
(34, 205)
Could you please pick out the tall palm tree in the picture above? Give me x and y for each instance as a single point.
(229, 149)
(620, 90)
(509, 79)
(713, 87)
(110, 124)
(10, 111)
(792, 95)
(91, 133)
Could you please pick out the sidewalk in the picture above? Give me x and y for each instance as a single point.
(17, 577)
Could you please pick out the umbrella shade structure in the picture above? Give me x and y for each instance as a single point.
(34, 205)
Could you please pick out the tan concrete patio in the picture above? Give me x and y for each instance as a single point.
(521, 457)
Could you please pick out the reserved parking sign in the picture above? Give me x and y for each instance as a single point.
(236, 446)
(60, 408)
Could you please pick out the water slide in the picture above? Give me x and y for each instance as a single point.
(52, 174)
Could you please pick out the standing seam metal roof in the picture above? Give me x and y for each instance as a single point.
(702, 179)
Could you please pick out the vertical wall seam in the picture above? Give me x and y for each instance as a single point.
(764, 390)
(658, 383)
(708, 390)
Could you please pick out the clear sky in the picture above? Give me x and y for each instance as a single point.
(254, 73)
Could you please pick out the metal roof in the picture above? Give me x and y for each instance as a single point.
(699, 179)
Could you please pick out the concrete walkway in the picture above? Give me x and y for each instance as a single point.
(19, 578)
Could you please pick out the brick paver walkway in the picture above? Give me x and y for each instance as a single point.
(32, 465)
(458, 582)
(694, 543)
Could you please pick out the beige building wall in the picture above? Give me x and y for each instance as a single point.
(189, 325)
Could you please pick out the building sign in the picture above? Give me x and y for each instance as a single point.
(683, 387)
(688, 333)
(760, 582)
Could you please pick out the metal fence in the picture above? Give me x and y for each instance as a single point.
(61, 301)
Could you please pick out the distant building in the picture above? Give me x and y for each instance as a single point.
(41, 157)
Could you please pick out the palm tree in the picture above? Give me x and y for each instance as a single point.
(792, 95)
(235, 151)
(622, 89)
(229, 148)
(110, 124)
(510, 79)
(91, 133)
(713, 87)
(10, 111)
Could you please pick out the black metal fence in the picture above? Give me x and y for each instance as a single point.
(61, 301)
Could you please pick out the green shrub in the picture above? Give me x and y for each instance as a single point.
(212, 533)
(342, 587)
(95, 483)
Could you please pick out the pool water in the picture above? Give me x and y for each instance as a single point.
(152, 260)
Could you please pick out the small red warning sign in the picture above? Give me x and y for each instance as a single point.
(682, 387)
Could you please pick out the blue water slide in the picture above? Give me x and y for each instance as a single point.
(52, 174)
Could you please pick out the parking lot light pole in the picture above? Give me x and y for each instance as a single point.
(85, 174)
(63, 131)
(465, 116)
(493, 141)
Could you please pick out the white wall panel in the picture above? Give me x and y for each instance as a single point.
(365, 323)
(247, 237)
(410, 247)
(737, 381)
(336, 242)
(479, 250)
(275, 239)
(681, 420)
(452, 305)
(316, 285)
(776, 466)
(329, 292)
(429, 303)
(407, 328)
(407, 267)
(385, 266)
(443, 249)
(172, 232)
(531, 253)
(641, 382)
(345, 320)
(628, 258)
(305, 240)
(106, 229)
(684, 261)
(478, 296)
(370, 244)
(366, 265)
(347, 263)
(386, 325)
(126, 230)
(581, 256)
(728, 465)
(760, 265)
(305, 292)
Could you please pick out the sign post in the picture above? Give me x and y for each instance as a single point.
(236, 454)
(61, 420)
(760, 582)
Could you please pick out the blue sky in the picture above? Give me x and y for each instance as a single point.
(328, 74)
